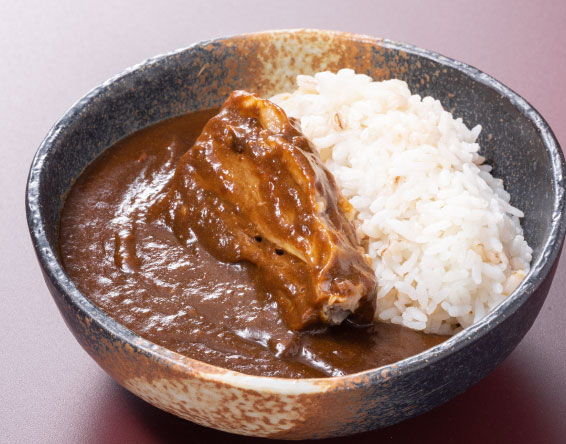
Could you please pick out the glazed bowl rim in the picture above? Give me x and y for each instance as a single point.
(53, 269)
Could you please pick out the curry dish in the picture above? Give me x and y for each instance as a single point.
(224, 239)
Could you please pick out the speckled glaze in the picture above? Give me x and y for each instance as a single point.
(515, 139)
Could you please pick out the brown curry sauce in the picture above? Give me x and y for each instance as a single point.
(180, 296)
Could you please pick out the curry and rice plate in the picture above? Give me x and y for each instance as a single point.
(239, 238)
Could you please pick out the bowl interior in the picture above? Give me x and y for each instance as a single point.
(203, 75)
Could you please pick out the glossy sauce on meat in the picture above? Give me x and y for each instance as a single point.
(253, 189)
(178, 295)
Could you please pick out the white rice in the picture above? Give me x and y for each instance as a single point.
(445, 243)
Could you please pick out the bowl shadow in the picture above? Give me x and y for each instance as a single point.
(503, 407)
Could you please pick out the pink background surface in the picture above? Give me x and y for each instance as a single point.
(54, 52)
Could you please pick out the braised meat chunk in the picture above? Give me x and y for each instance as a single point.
(253, 189)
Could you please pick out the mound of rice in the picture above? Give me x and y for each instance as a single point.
(445, 243)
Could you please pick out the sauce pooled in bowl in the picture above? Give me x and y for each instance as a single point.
(202, 279)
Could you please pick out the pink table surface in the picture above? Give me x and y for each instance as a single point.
(53, 52)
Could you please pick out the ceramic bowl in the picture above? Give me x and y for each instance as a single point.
(515, 140)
